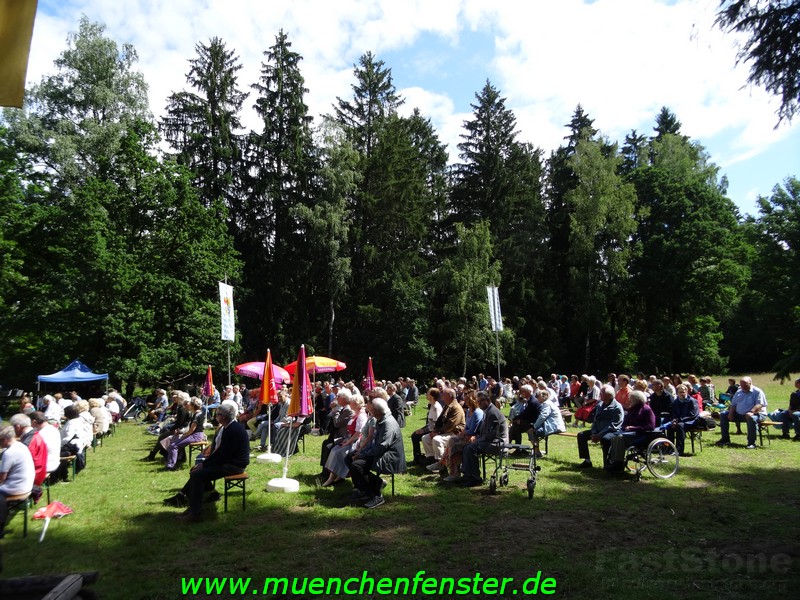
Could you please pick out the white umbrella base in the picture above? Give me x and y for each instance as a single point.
(269, 457)
(283, 484)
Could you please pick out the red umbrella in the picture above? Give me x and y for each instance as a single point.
(369, 380)
(256, 371)
(208, 384)
(318, 364)
(54, 510)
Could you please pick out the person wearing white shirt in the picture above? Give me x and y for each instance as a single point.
(52, 411)
(16, 470)
(51, 437)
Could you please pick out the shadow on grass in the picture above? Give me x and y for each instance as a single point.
(718, 528)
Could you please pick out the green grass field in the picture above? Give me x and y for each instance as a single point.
(725, 526)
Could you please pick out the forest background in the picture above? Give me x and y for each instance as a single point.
(355, 236)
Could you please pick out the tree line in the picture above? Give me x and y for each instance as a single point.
(356, 236)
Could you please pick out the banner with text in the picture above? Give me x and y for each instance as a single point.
(226, 310)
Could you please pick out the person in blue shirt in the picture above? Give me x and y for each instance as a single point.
(748, 405)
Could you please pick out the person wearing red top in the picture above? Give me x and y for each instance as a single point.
(35, 443)
(623, 394)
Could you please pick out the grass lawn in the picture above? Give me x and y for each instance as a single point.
(725, 526)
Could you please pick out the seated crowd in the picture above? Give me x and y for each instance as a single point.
(40, 445)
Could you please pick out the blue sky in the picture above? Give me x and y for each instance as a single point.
(620, 59)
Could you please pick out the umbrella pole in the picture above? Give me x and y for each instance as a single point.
(288, 446)
(44, 529)
(269, 431)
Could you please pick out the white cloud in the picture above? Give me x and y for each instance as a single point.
(621, 59)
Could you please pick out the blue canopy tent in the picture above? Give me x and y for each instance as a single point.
(74, 372)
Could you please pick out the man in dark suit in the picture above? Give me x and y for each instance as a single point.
(384, 454)
(494, 428)
(396, 405)
(230, 456)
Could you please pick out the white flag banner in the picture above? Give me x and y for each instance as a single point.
(494, 308)
(226, 310)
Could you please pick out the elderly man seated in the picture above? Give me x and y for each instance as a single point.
(450, 423)
(608, 415)
(749, 405)
(230, 456)
(684, 411)
(383, 454)
(492, 432)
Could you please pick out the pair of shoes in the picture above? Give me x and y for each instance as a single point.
(177, 501)
(751, 446)
(148, 458)
(586, 464)
(722, 443)
(471, 482)
(452, 478)
(434, 467)
(375, 502)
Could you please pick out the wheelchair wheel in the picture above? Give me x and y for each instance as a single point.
(531, 487)
(635, 462)
(662, 458)
(493, 485)
(504, 479)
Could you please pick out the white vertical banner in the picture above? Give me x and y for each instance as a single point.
(226, 311)
(494, 308)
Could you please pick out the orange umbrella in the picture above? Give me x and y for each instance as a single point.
(300, 404)
(269, 391)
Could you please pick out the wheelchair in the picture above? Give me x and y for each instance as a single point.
(657, 455)
(503, 463)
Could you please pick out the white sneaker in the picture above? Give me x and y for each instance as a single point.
(437, 466)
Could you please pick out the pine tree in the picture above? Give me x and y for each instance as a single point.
(283, 169)
(203, 126)
(499, 182)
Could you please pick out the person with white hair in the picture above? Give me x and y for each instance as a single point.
(451, 422)
(51, 437)
(549, 421)
(36, 445)
(608, 415)
(230, 456)
(17, 471)
(52, 410)
(338, 428)
(384, 454)
(639, 420)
